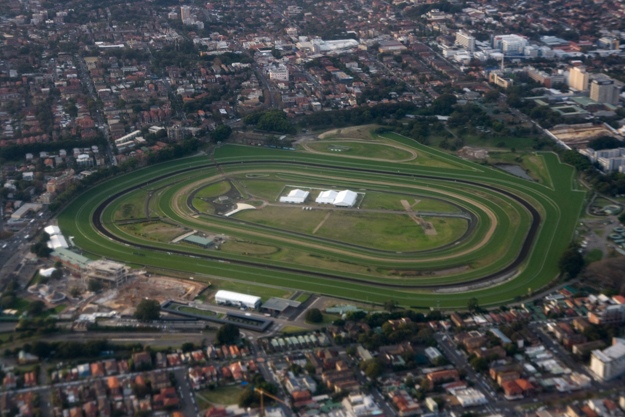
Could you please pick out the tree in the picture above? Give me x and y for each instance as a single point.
(56, 274)
(390, 305)
(221, 133)
(473, 304)
(58, 264)
(571, 262)
(75, 292)
(35, 308)
(373, 368)
(148, 310)
(227, 334)
(479, 364)
(313, 315)
(94, 285)
(41, 249)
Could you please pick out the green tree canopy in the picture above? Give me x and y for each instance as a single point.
(148, 310)
(227, 334)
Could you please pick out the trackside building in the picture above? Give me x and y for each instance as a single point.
(295, 197)
(236, 299)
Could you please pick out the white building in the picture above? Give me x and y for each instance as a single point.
(609, 363)
(345, 198)
(432, 353)
(357, 405)
(279, 73)
(326, 197)
(295, 197)
(237, 299)
(466, 40)
(470, 397)
(510, 44)
(57, 240)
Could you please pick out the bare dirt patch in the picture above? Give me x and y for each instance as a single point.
(428, 228)
(161, 288)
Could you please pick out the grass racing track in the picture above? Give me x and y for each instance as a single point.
(548, 212)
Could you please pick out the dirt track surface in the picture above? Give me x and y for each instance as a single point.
(487, 236)
(412, 152)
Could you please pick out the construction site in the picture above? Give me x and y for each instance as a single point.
(161, 288)
(578, 136)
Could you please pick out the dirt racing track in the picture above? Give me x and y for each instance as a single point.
(516, 229)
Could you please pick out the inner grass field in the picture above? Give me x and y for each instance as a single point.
(558, 203)
(366, 150)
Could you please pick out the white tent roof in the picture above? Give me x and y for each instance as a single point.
(236, 297)
(298, 193)
(52, 230)
(57, 241)
(46, 272)
(345, 198)
(326, 197)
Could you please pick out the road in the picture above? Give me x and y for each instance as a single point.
(86, 81)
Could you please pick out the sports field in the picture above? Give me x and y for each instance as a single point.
(422, 235)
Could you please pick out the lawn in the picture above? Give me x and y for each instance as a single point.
(593, 256)
(223, 396)
(390, 232)
(155, 230)
(302, 298)
(132, 206)
(387, 201)
(214, 190)
(248, 248)
(362, 150)
(288, 218)
(292, 329)
(261, 188)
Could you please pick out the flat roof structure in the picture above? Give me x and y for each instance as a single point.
(198, 240)
(279, 304)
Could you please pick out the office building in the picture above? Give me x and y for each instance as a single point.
(510, 44)
(609, 43)
(609, 363)
(185, 13)
(578, 79)
(466, 40)
(603, 90)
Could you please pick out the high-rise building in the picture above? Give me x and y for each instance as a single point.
(609, 363)
(466, 40)
(603, 90)
(510, 44)
(185, 13)
(578, 79)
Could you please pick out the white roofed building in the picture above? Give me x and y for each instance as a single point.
(295, 197)
(326, 197)
(57, 240)
(237, 299)
(345, 198)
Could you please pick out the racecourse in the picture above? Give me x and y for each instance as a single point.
(520, 227)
